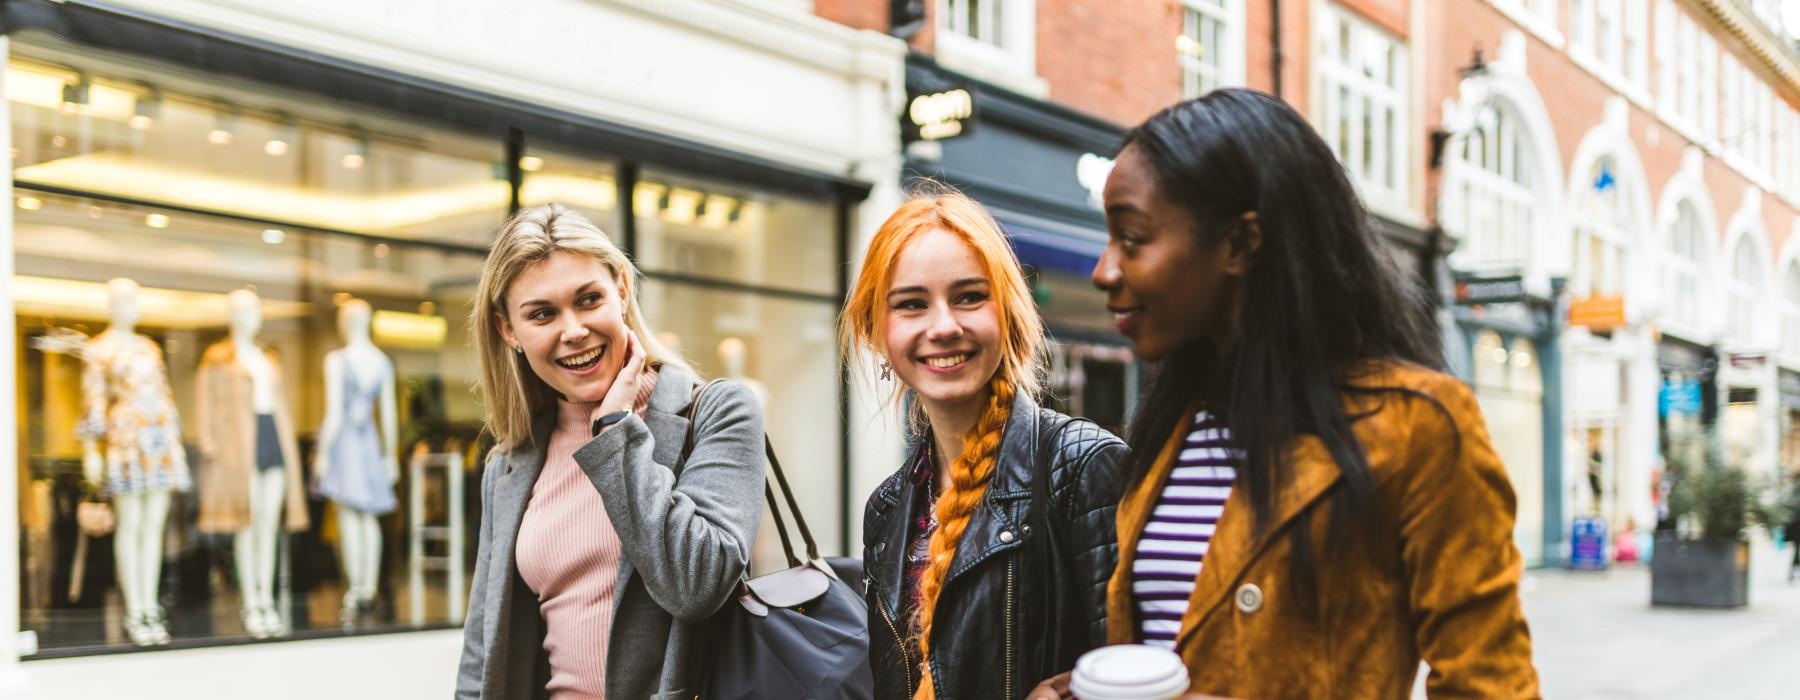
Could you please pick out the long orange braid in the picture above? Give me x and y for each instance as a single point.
(969, 476)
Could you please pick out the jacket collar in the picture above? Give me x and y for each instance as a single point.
(1235, 544)
(994, 527)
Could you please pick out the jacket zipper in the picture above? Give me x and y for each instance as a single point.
(905, 656)
(1011, 562)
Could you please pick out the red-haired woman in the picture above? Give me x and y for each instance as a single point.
(989, 550)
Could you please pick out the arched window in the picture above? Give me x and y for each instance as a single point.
(1790, 311)
(1601, 223)
(1681, 265)
(1743, 289)
(1490, 192)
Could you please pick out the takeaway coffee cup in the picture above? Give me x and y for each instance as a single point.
(1129, 672)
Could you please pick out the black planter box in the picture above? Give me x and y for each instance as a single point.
(1700, 573)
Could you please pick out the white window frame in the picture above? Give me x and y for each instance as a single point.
(1682, 248)
(1790, 314)
(1491, 206)
(1009, 60)
(1536, 16)
(1226, 69)
(1610, 39)
(1601, 224)
(1381, 169)
(1743, 292)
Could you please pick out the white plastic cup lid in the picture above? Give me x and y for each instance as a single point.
(1129, 672)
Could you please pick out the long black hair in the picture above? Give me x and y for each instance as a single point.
(1321, 299)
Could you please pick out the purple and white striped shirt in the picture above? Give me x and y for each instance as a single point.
(1180, 529)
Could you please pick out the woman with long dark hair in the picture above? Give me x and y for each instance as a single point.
(1314, 508)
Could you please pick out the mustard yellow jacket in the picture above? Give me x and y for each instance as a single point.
(1435, 578)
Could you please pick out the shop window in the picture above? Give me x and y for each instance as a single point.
(1210, 47)
(186, 266)
(1682, 260)
(1361, 86)
(1491, 197)
(785, 348)
(692, 228)
(214, 146)
(586, 185)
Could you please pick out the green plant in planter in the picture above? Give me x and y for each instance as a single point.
(1722, 499)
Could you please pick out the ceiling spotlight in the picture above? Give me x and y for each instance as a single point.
(95, 212)
(146, 110)
(75, 95)
(531, 164)
(284, 136)
(31, 203)
(381, 250)
(273, 236)
(156, 221)
(224, 129)
(359, 154)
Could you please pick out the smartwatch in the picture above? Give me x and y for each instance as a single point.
(608, 419)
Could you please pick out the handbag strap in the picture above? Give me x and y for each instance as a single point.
(787, 544)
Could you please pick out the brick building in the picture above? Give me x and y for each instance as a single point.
(1600, 192)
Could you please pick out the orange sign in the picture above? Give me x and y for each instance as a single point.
(1599, 312)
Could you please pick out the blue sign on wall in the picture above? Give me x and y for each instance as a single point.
(1678, 398)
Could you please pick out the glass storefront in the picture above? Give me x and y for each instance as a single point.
(195, 187)
(1509, 386)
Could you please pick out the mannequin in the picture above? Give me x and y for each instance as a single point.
(732, 355)
(357, 466)
(251, 459)
(125, 387)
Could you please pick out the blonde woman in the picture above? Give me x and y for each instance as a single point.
(988, 551)
(600, 550)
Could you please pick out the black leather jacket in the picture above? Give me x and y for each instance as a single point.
(1019, 604)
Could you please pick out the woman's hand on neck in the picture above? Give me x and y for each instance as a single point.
(951, 422)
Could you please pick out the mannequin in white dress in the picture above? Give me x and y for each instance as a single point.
(357, 464)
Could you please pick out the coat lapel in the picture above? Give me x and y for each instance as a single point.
(512, 492)
(1235, 544)
(1133, 514)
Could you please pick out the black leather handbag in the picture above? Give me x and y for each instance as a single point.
(801, 632)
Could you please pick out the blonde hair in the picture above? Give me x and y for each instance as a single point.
(510, 391)
(1021, 364)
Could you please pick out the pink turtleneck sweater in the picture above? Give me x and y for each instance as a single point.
(568, 554)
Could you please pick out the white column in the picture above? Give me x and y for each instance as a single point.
(9, 418)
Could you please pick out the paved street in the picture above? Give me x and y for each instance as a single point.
(1596, 636)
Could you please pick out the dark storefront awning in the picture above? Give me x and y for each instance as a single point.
(1048, 245)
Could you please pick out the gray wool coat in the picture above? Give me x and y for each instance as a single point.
(686, 539)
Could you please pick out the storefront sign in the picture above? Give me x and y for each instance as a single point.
(1748, 360)
(939, 115)
(1490, 290)
(1600, 312)
(1679, 397)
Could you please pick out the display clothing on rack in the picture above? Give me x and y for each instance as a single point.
(226, 424)
(356, 473)
(127, 405)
